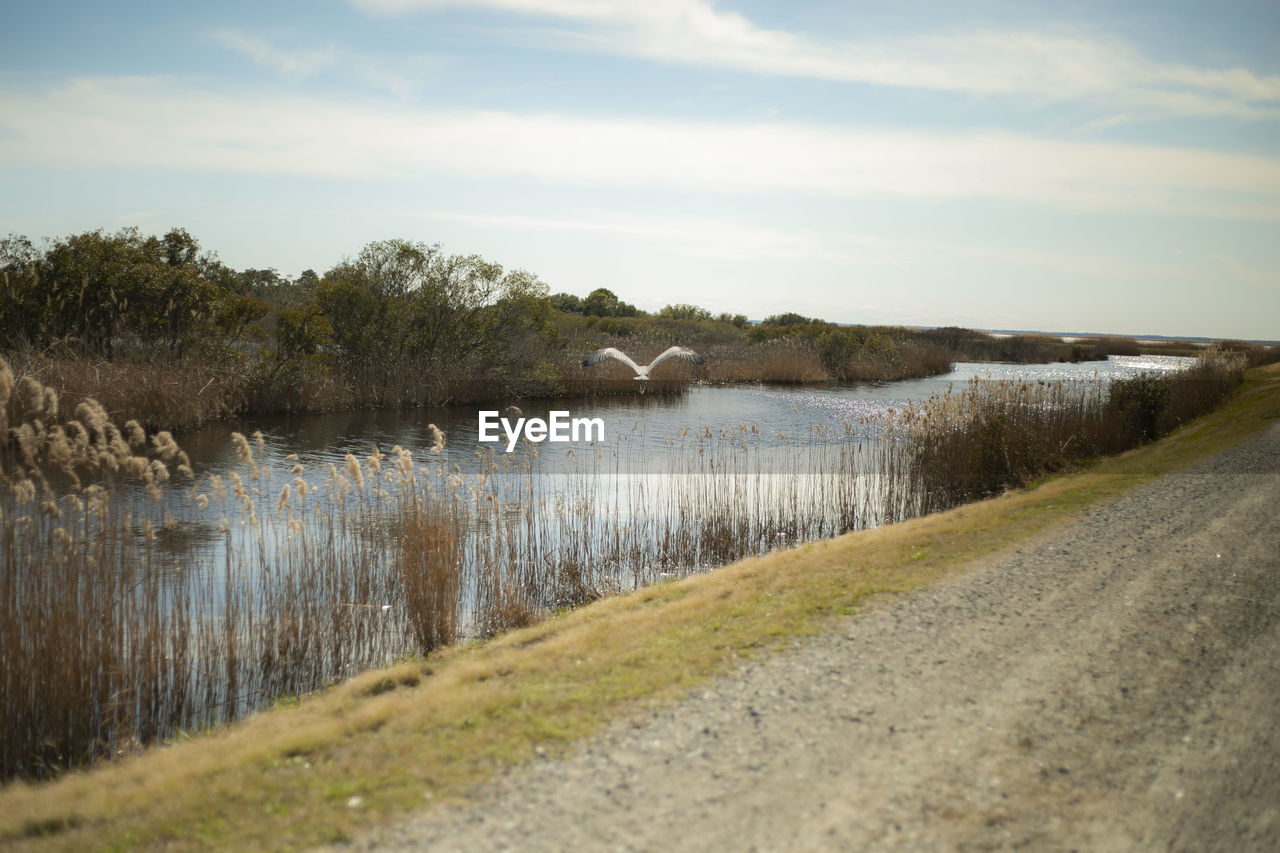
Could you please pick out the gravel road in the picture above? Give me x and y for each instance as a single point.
(1113, 687)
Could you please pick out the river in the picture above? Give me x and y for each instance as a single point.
(679, 482)
(774, 410)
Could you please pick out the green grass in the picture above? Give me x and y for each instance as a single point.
(427, 731)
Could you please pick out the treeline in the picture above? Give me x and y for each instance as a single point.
(791, 347)
(158, 329)
(399, 324)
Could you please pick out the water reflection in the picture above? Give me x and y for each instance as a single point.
(755, 445)
(788, 463)
(638, 428)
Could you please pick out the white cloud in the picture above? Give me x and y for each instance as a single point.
(692, 236)
(299, 63)
(1038, 66)
(401, 77)
(160, 123)
(736, 240)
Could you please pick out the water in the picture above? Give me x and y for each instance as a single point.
(775, 464)
(771, 465)
(639, 427)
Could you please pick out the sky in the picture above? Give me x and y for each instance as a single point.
(1063, 166)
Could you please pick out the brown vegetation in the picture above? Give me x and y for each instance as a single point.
(781, 361)
(158, 393)
(995, 434)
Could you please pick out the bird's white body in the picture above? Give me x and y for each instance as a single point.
(642, 370)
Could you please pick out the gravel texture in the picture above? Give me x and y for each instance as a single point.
(1113, 687)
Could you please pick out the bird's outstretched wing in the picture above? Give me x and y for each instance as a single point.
(613, 353)
(678, 352)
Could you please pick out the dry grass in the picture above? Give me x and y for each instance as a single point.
(92, 639)
(907, 361)
(429, 555)
(994, 435)
(786, 361)
(797, 360)
(159, 395)
(119, 625)
(283, 778)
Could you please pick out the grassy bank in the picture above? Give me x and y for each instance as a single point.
(387, 741)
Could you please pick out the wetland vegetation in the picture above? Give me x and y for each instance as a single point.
(140, 600)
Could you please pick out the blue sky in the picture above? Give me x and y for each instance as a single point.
(1068, 166)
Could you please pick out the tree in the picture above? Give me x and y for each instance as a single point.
(235, 315)
(173, 301)
(93, 283)
(402, 302)
(600, 302)
(448, 312)
(102, 288)
(567, 302)
(788, 319)
(684, 312)
(301, 337)
(354, 314)
(21, 301)
(517, 324)
(603, 302)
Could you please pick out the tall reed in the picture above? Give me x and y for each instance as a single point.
(992, 435)
(138, 601)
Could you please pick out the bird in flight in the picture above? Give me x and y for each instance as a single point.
(642, 370)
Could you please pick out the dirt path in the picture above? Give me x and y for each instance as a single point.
(1114, 687)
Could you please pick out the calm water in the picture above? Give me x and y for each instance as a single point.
(795, 457)
(638, 429)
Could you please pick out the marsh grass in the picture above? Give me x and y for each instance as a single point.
(909, 361)
(158, 394)
(138, 601)
(92, 636)
(993, 435)
(782, 361)
(428, 556)
(127, 616)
